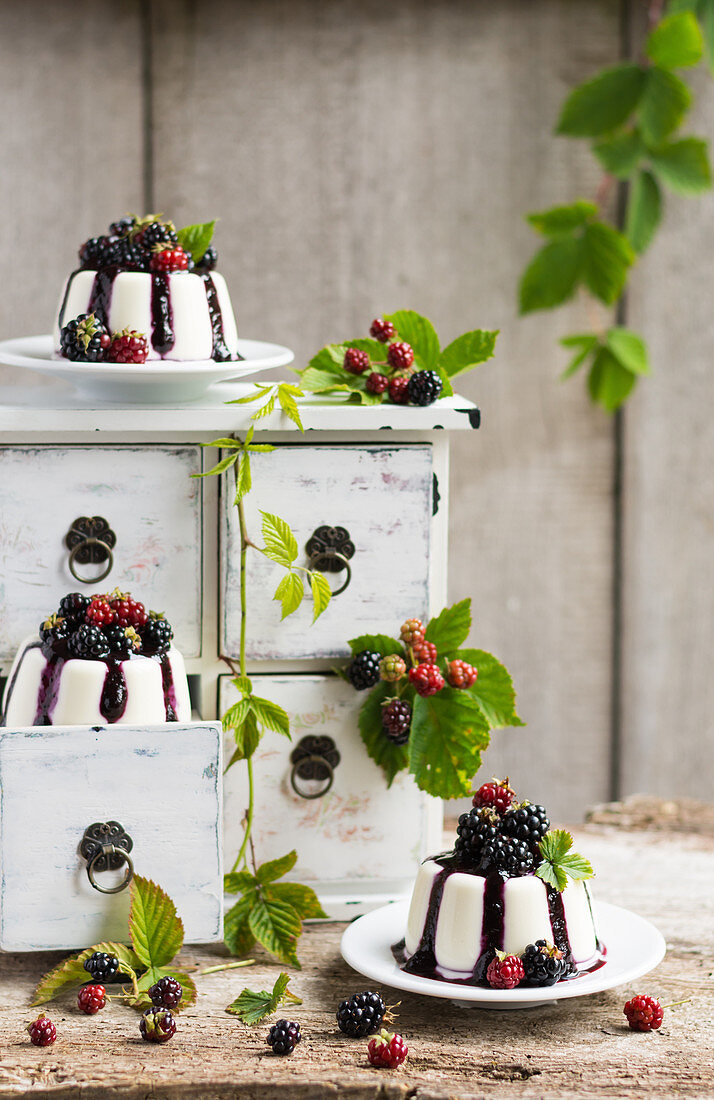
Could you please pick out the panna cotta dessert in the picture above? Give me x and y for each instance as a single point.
(508, 906)
(97, 660)
(152, 292)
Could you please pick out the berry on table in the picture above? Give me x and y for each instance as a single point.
(425, 652)
(363, 669)
(497, 794)
(412, 632)
(91, 998)
(475, 828)
(156, 634)
(382, 330)
(85, 339)
(527, 822)
(543, 964)
(157, 1025)
(128, 346)
(42, 1031)
(102, 966)
(426, 679)
(392, 668)
(166, 993)
(424, 387)
(130, 612)
(167, 260)
(400, 355)
(386, 1050)
(398, 389)
(361, 1014)
(356, 361)
(505, 971)
(100, 612)
(88, 642)
(208, 260)
(460, 674)
(397, 721)
(376, 382)
(283, 1037)
(644, 1013)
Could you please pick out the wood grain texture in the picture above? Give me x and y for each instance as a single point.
(577, 1048)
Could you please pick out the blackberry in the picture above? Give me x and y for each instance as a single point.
(424, 387)
(528, 823)
(497, 854)
(73, 607)
(89, 642)
(54, 635)
(123, 226)
(166, 993)
(208, 260)
(123, 252)
(157, 233)
(363, 669)
(103, 967)
(283, 1037)
(397, 721)
(519, 859)
(122, 642)
(475, 828)
(156, 634)
(85, 338)
(361, 1014)
(543, 964)
(157, 1025)
(92, 252)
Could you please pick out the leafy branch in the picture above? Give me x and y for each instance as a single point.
(252, 1008)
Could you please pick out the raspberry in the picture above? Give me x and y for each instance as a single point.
(129, 611)
(355, 361)
(475, 829)
(156, 634)
(91, 998)
(376, 383)
(644, 1013)
(426, 679)
(85, 339)
(505, 971)
(363, 669)
(283, 1037)
(167, 260)
(73, 607)
(400, 355)
(460, 674)
(425, 652)
(42, 1031)
(208, 260)
(100, 612)
(157, 233)
(398, 389)
(387, 1051)
(157, 1025)
(543, 964)
(128, 346)
(392, 668)
(103, 967)
(382, 330)
(54, 635)
(497, 794)
(528, 823)
(424, 387)
(361, 1014)
(397, 720)
(412, 632)
(88, 642)
(166, 993)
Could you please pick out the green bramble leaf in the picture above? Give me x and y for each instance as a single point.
(448, 734)
(276, 926)
(321, 381)
(303, 899)
(196, 238)
(244, 480)
(286, 399)
(155, 928)
(606, 257)
(450, 628)
(644, 210)
(237, 935)
(676, 42)
(559, 220)
(224, 464)
(586, 343)
(252, 1008)
(467, 351)
(270, 715)
(71, 971)
(235, 715)
(389, 757)
(603, 103)
(559, 862)
(259, 391)
(621, 153)
(225, 444)
(376, 643)
(629, 349)
(683, 166)
(706, 19)
(665, 102)
(417, 331)
(276, 868)
(267, 408)
(290, 592)
(552, 276)
(609, 382)
(493, 690)
(321, 593)
(280, 543)
(238, 882)
(247, 737)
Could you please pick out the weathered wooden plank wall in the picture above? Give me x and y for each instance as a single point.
(364, 156)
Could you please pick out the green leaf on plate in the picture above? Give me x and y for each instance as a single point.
(559, 862)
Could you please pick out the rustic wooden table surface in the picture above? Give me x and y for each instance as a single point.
(655, 858)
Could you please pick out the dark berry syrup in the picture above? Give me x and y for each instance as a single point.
(220, 349)
(167, 680)
(48, 691)
(162, 318)
(100, 299)
(114, 692)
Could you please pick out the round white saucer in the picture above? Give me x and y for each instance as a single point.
(154, 381)
(633, 945)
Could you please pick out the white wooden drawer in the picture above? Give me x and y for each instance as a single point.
(162, 784)
(382, 495)
(150, 502)
(358, 838)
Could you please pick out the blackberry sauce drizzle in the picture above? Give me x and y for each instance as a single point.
(162, 319)
(114, 692)
(48, 691)
(101, 297)
(220, 349)
(167, 681)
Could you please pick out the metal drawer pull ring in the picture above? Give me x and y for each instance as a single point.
(330, 550)
(314, 759)
(90, 539)
(106, 846)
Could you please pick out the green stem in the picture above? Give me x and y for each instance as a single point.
(244, 544)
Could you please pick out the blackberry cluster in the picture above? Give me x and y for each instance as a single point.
(502, 853)
(283, 1037)
(361, 1014)
(166, 993)
(208, 261)
(424, 387)
(499, 834)
(129, 244)
(161, 234)
(106, 626)
(89, 642)
(397, 721)
(156, 635)
(474, 829)
(85, 338)
(528, 823)
(363, 669)
(102, 967)
(543, 964)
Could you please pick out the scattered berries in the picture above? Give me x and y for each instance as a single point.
(392, 668)
(496, 794)
(397, 721)
(129, 612)
(283, 1037)
(412, 632)
(356, 361)
(166, 993)
(363, 669)
(157, 1025)
(85, 339)
(128, 346)
(543, 964)
(100, 612)
(168, 260)
(361, 1014)
(387, 1051)
(505, 971)
(88, 642)
(382, 330)
(400, 355)
(426, 679)
(424, 387)
(42, 1031)
(376, 382)
(528, 823)
(91, 998)
(460, 674)
(644, 1013)
(103, 967)
(398, 389)
(425, 652)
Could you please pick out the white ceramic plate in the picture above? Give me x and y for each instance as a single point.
(634, 947)
(141, 383)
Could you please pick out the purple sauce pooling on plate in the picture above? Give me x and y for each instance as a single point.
(162, 318)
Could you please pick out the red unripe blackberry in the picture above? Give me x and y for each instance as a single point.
(382, 330)
(644, 1013)
(283, 1037)
(460, 674)
(496, 794)
(425, 652)
(400, 355)
(130, 612)
(128, 347)
(398, 389)
(157, 1025)
(392, 668)
(505, 971)
(166, 993)
(387, 1051)
(91, 998)
(376, 383)
(397, 721)
(412, 632)
(169, 259)
(42, 1031)
(426, 679)
(100, 612)
(356, 361)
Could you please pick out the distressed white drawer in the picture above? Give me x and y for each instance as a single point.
(162, 784)
(381, 495)
(359, 838)
(149, 500)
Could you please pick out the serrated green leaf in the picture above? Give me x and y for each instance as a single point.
(225, 444)
(560, 862)
(196, 238)
(603, 103)
(376, 643)
(562, 219)
(665, 101)
(620, 154)
(303, 899)
(276, 926)
(555, 844)
(493, 690)
(329, 360)
(629, 349)
(321, 593)
(389, 757)
(552, 276)
(288, 403)
(267, 408)
(607, 256)
(290, 592)
(644, 211)
(586, 344)
(260, 391)
(450, 628)
(417, 331)
(609, 382)
(261, 448)
(577, 867)
(244, 480)
(271, 715)
(237, 935)
(280, 543)
(247, 737)
(235, 715)
(276, 868)
(238, 882)
(319, 381)
(155, 928)
(683, 166)
(553, 874)
(224, 464)
(676, 42)
(467, 351)
(447, 390)
(251, 1007)
(448, 734)
(71, 971)
(242, 684)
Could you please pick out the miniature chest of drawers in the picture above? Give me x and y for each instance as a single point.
(374, 478)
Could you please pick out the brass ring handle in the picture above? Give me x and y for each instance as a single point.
(106, 851)
(332, 555)
(83, 546)
(325, 766)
